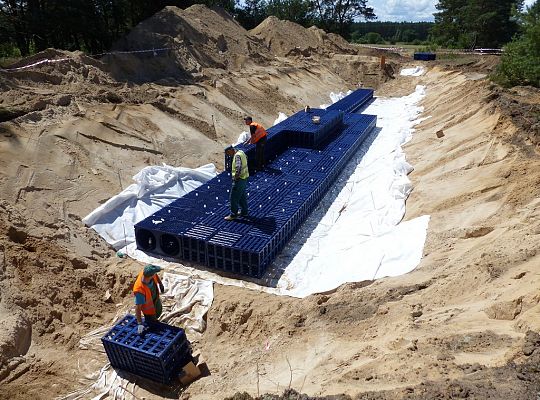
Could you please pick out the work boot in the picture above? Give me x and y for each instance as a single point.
(230, 217)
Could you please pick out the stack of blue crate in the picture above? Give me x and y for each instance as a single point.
(158, 354)
(307, 133)
(280, 198)
(353, 102)
(425, 56)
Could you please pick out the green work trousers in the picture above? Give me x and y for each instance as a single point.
(239, 197)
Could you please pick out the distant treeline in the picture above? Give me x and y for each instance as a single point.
(391, 32)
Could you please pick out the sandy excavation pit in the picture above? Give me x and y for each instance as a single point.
(462, 325)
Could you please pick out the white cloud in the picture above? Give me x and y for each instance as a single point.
(409, 10)
(403, 10)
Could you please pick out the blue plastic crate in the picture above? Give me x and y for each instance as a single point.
(425, 56)
(162, 238)
(194, 243)
(158, 354)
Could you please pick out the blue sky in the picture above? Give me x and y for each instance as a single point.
(407, 10)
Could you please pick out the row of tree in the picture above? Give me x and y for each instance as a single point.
(476, 23)
(390, 32)
(93, 25)
(331, 15)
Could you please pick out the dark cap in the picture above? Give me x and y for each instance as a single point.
(150, 270)
(248, 118)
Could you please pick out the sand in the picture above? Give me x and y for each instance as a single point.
(74, 133)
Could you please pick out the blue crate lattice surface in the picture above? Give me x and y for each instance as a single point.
(158, 354)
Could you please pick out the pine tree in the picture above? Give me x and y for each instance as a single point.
(475, 23)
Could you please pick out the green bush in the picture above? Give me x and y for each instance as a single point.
(373, 38)
(520, 63)
(8, 50)
(427, 48)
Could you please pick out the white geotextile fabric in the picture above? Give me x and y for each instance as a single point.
(335, 97)
(357, 234)
(185, 302)
(415, 71)
(154, 188)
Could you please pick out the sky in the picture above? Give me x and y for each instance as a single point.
(408, 10)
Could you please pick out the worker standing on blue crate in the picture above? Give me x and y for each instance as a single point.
(147, 301)
(240, 175)
(258, 137)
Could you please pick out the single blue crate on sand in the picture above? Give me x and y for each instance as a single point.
(425, 56)
(158, 354)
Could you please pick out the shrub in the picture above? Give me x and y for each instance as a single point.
(520, 63)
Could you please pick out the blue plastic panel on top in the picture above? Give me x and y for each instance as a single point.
(303, 129)
(158, 354)
(280, 198)
(353, 101)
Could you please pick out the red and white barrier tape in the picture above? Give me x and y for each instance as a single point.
(47, 60)
(394, 49)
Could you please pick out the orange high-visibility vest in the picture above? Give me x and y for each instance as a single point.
(260, 132)
(148, 307)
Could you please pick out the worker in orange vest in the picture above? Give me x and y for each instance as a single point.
(258, 137)
(147, 301)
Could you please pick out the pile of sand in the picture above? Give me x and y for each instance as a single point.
(65, 67)
(53, 88)
(196, 38)
(72, 135)
(285, 38)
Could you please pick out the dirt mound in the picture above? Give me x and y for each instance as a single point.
(49, 84)
(57, 67)
(15, 334)
(285, 38)
(48, 294)
(186, 42)
(516, 380)
(35, 268)
(521, 106)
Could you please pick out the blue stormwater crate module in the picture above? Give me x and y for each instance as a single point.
(158, 354)
(194, 243)
(161, 238)
(353, 102)
(303, 158)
